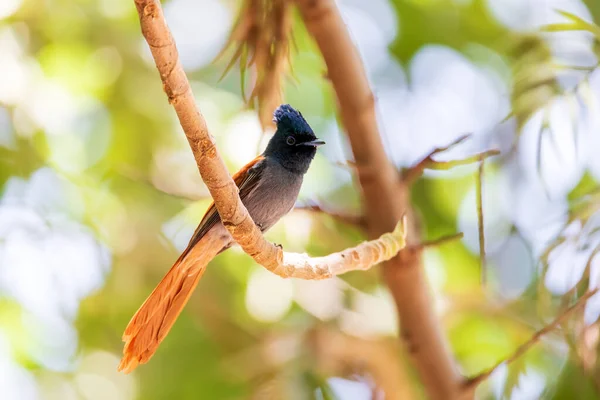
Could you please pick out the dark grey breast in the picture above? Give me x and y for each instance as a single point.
(275, 195)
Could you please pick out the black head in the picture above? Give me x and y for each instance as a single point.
(294, 143)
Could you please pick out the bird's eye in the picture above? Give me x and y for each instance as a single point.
(290, 140)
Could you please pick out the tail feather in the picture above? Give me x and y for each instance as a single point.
(154, 319)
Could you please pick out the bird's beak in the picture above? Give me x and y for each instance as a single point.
(314, 143)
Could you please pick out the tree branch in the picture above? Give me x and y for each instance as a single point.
(480, 223)
(435, 242)
(222, 188)
(473, 382)
(314, 206)
(410, 175)
(386, 198)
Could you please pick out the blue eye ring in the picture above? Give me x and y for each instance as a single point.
(290, 140)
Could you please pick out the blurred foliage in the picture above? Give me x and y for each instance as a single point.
(85, 102)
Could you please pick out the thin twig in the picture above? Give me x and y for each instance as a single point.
(522, 349)
(221, 186)
(444, 165)
(314, 206)
(480, 227)
(436, 242)
(138, 177)
(410, 175)
(347, 165)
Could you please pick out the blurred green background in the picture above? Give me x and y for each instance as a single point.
(99, 192)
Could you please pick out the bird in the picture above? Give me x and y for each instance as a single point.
(268, 187)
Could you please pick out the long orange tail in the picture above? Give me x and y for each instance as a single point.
(151, 323)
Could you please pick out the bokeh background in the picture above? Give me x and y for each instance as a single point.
(99, 192)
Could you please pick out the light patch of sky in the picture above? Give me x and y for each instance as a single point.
(436, 274)
(180, 228)
(298, 228)
(57, 387)
(77, 127)
(190, 20)
(449, 97)
(53, 341)
(103, 364)
(507, 201)
(592, 307)
(7, 137)
(567, 262)
(349, 390)
(49, 262)
(324, 299)
(571, 48)
(268, 296)
(373, 27)
(526, 15)
(538, 218)
(174, 170)
(380, 11)
(52, 107)
(96, 387)
(97, 378)
(568, 48)
(336, 150)
(560, 163)
(316, 183)
(590, 124)
(9, 7)
(15, 68)
(512, 267)
(566, 266)
(242, 137)
(17, 382)
(530, 385)
(370, 315)
(496, 224)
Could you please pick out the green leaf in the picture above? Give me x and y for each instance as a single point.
(515, 369)
(572, 383)
(581, 23)
(563, 27)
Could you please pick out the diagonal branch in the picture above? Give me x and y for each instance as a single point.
(435, 242)
(473, 382)
(386, 198)
(315, 206)
(410, 175)
(222, 188)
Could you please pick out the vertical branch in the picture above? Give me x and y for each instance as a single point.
(386, 198)
(479, 192)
